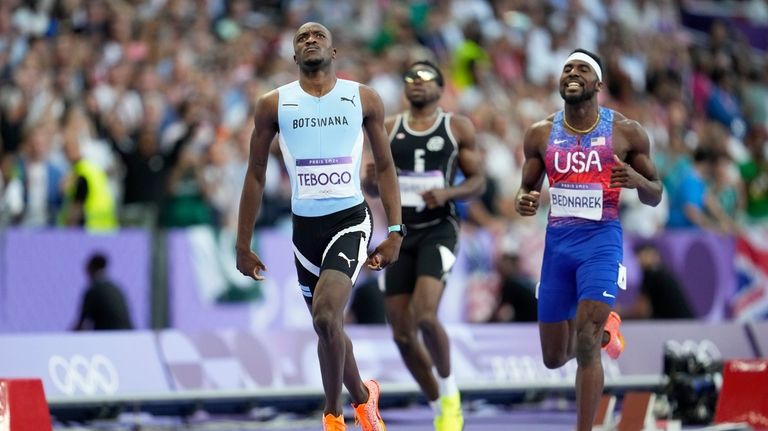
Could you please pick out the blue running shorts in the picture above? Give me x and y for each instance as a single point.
(583, 262)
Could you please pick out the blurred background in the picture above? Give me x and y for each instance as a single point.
(150, 103)
(125, 125)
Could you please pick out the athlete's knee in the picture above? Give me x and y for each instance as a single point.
(326, 323)
(428, 323)
(555, 359)
(405, 339)
(587, 345)
(555, 355)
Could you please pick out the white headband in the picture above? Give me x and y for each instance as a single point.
(589, 60)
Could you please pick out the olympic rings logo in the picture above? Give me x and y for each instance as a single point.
(84, 375)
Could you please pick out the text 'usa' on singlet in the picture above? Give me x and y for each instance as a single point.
(579, 172)
(322, 143)
(425, 160)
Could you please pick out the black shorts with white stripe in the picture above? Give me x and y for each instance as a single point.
(336, 241)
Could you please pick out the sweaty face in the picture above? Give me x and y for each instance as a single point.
(578, 82)
(421, 85)
(312, 46)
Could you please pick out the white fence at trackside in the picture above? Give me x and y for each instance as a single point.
(145, 368)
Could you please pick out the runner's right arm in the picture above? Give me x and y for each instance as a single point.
(265, 128)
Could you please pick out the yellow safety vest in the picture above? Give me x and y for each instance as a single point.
(99, 206)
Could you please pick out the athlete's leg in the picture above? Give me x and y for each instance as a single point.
(425, 303)
(358, 393)
(557, 303)
(405, 332)
(329, 299)
(590, 321)
(558, 342)
(598, 279)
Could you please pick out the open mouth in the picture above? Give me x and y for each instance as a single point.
(573, 85)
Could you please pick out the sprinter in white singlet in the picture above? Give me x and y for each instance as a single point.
(319, 121)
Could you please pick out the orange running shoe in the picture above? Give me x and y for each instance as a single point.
(616, 341)
(334, 423)
(367, 415)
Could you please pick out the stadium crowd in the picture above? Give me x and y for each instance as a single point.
(138, 113)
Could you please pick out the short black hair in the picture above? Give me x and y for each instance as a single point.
(431, 65)
(97, 262)
(591, 54)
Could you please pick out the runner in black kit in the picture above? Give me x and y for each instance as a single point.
(428, 146)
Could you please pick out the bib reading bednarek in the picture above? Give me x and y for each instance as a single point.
(413, 184)
(321, 139)
(577, 200)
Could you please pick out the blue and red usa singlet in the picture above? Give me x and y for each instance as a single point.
(583, 251)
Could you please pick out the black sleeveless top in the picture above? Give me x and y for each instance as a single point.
(425, 160)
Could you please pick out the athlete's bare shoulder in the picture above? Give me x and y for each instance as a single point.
(541, 128)
(461, 125)
(270, 97)
(371, 102)
(536, 136)
(368, 93)
(630, 129)
(266, 106)
(463, 129)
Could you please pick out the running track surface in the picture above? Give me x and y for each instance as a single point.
(478, 417)
(418, 418)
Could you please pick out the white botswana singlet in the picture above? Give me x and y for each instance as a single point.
(322, 143)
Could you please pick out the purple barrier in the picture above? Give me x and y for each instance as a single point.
(199, 270)
(42, 276)
(702, 261)
(86, 364)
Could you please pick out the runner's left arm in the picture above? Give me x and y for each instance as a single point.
(386, 175)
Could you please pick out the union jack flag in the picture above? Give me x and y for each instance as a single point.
(751, 261)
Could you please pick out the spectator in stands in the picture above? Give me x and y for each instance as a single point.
(694, 204)
(661, 294)
(11, 194)
(146, 168)
(103, 305)
(88, 199)
(471, 60)
(754, 172)
(187, 203)
(727, 188)
(517, 296)
(723, 105)
(40, 180)
(367, 304)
